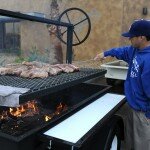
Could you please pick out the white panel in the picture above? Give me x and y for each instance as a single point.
(77, 125)
(116, 69)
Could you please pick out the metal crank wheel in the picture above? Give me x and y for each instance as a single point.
(81, 23)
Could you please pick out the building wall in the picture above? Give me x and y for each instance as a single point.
(34, 36)
(132, 10)
(26, 6)
(108, 18)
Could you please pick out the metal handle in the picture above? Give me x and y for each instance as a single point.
(49, 147)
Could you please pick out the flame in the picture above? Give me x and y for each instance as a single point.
(28, 109)
(48, 117)
(60, 108)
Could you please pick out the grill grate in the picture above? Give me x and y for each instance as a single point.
(41, 87)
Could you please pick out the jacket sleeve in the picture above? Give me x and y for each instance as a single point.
(122, 53)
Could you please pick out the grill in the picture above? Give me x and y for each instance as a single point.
(41, 87)
(22, 133)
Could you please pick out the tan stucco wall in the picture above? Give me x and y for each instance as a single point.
(26, 6)
(34, 35)
(132, 10)
(108, 18)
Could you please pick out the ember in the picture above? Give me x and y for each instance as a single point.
(60, 108)
(4, 115)
(48, 117)
(25, 117)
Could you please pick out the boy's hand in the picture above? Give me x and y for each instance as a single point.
(99, 56)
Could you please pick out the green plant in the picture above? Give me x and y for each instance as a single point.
(34, 55)
(20, 59)
(37, 55)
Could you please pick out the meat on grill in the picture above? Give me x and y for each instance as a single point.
(34, 63)
(4, 71)
(74, 67)
(37, 69)
(38, 73)
(25, 74)
(18, 71)
(67, 67)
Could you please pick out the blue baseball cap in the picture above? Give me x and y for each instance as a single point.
(138, 28)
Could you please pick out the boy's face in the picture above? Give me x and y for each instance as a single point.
(137, 41)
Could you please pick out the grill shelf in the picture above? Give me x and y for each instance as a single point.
(41, 87)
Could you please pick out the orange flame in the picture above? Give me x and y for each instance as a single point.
(60, 108)
(28, 109)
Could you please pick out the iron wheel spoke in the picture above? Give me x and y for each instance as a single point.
(80, 22)
(63, 32)
(68, 17)
(76, 36)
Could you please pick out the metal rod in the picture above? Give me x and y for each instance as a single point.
(80, 22)
(69, 45)
(32, 18)
(63, 32)
(68, 17)
(76, 36)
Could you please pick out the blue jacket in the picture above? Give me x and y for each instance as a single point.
(137, 84)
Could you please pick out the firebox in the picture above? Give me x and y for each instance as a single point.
(20, 127)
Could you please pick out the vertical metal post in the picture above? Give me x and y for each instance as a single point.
(69, 44)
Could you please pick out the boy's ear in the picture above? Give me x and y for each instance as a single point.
(143, 37)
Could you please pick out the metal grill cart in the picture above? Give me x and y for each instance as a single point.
(71, 114)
